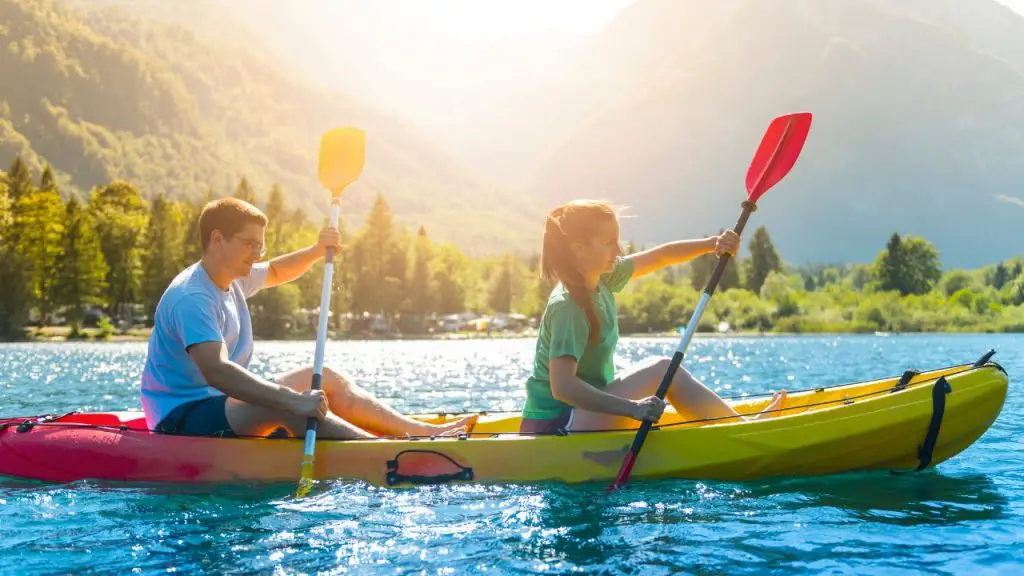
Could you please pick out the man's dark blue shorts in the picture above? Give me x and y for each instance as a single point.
(205, 417)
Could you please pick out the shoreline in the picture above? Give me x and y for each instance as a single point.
(59, 334)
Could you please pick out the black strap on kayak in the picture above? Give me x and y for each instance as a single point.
(26, 424)
(904, 380)
(984, 358)
(924, 451)
(425, 467)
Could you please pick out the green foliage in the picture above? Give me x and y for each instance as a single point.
(420, 295)
(162, 258)
(274, 314)
(121, 215)
(763, 259)
(81, 275)
(448, 283)
(380, 264)
(38, 227)
(1000, 276)
(14, 295)
(57, 254)
(245, 192)
(18, 180)
(909, 266)
(955, 281)
(701, 269)
(106, 329)
(500, 297)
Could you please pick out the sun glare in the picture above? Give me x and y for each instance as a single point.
(482, 20)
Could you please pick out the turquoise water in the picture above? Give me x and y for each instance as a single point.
(965, 517)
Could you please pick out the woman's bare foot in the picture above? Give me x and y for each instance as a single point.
(777, 399)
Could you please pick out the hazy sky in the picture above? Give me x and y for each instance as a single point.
(445, 66)
(483, 20)
(463, 72)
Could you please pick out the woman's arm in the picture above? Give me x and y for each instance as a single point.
(567, 387)
(682, 251)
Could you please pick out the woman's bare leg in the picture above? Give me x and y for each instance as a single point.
(690, 397)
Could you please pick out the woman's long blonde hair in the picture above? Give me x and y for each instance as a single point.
(576, 221)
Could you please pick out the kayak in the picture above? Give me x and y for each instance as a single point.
(904, 423)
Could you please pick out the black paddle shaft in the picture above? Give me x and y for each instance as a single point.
(677, 358)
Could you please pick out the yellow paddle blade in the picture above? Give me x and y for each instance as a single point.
(306, 481)
(342, 154)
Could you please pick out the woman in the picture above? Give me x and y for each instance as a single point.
(573, 386)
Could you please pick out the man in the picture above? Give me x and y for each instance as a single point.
(196, 380)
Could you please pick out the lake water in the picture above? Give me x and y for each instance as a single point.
(967, 516)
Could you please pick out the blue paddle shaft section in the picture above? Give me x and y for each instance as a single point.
(321, 331)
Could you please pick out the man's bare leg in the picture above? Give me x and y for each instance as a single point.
(357, 406)
(253, 420)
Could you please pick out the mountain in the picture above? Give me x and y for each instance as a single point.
(917, 103)
(917, 109)
(919, 124)
(100, 93)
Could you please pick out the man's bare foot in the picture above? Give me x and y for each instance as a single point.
(461, 426)
(777, 399)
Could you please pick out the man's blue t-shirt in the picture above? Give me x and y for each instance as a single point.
(194, 310)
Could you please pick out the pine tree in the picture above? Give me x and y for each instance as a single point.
(910, 265)
(730, 275)
(191, 243)
(396, 268)
(500, 298)
(121, 215)
(420, 295)
(447, 282)
(46, 181)
(18, 179)
(763, 259)
(162, 260)
(14, 293)
(701, 269)
(81, 274)
(245, 192)
(277, 214)
(374, 293)
(1000, 276)
(38, 225)
(889, 265)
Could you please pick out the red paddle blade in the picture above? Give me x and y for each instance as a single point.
(779, 149)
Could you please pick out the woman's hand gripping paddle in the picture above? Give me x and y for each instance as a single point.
(779, 149)
(342, 154)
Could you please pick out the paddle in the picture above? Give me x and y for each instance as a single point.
(342, 154)
(777, 153)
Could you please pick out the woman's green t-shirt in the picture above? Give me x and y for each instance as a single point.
(565, 331)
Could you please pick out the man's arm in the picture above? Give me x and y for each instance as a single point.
(288, 267)
(220, 372)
